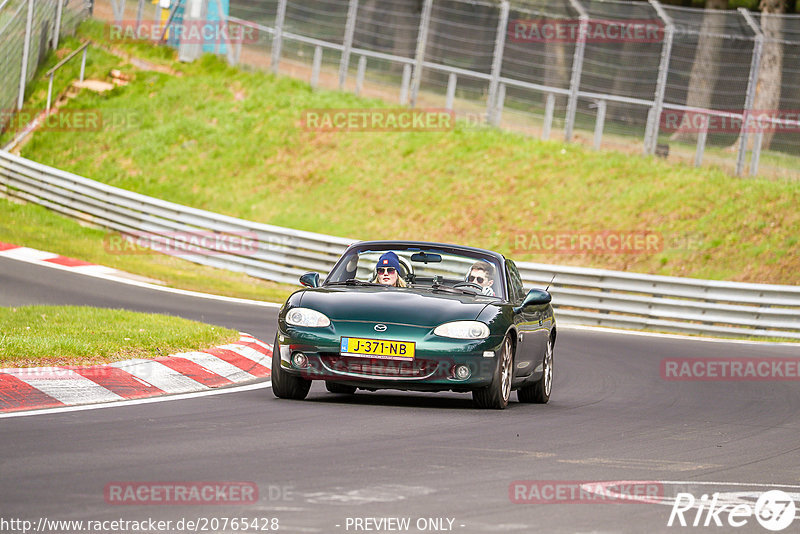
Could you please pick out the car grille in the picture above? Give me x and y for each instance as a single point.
(377, 367)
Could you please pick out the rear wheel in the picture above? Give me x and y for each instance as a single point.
(539, 392)
(284, 385)
(495, 396)
(335, 387)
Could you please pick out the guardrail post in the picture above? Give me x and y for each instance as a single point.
(404, 83)
(452, 80)
(497, 64)
(599, 123)
(701, 142)
(549, 108)
(57, 29)
(362, 70)
(349, 29)
(316, 66)
(651, 132)
(419, 57)
(755, 63)
(277, 37)
(26, 47)
(577, 68)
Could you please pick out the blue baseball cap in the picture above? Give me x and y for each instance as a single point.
(389, 259)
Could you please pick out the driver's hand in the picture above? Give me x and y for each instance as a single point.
(488, 291)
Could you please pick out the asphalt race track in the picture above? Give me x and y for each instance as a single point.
(342, 464)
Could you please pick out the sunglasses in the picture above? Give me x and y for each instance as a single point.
(478, 279)
(386, 270)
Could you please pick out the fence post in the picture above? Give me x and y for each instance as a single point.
(577, 67)
(599, 123)
(492, 111)
(755, 63)
(57, 29)
(50, 91)
(404, 83)
(362, 70)
(83, 62)
(349, 29)
(651, 132)
(26, 47)
(701, 142)
(139, 9)
(316, 66)
(277, 38)
(419, 57)
(549, 108)
(754, 157)
(452, 80)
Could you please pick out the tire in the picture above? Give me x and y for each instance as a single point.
(284, 385)
(539, 392)
(495, 396)
(335, 387)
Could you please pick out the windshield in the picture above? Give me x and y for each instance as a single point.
(416, 268)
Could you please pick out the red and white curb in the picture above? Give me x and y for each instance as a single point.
(53, 387)
(17, 252)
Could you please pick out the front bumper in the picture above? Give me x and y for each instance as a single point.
(433, 367)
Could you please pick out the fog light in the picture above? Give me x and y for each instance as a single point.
(462, 372)
(299, 360)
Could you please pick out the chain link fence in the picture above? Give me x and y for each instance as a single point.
(29, 29)
(701, 86)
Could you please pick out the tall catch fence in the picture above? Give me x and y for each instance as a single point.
(29, 29)
(702, 86)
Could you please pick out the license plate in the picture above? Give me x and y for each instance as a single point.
(377, 348)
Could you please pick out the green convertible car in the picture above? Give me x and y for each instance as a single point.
(421, 317)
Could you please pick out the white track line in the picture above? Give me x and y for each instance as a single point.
(149, 400)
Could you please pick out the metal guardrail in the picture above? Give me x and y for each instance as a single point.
(581, 295)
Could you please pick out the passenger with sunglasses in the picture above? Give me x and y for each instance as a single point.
(388, 270)
(482, 273)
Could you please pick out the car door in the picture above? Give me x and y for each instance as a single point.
(530, 325)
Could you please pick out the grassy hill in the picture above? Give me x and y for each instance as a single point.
(233, 142)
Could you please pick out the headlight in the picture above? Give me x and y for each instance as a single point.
(463, 330)
(307, 317)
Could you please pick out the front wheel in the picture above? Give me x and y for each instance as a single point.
(495, 396)
(284, 385)
(539, 392)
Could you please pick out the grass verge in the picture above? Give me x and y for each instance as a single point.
(232, 142)
(82, 335)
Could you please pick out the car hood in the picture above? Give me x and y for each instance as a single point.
(391, 305)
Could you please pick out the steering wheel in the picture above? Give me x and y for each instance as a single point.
(471, 285)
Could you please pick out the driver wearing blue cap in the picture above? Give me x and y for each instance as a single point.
(387, 270)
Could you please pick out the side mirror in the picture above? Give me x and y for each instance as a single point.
(310, 279)
(537, 297)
